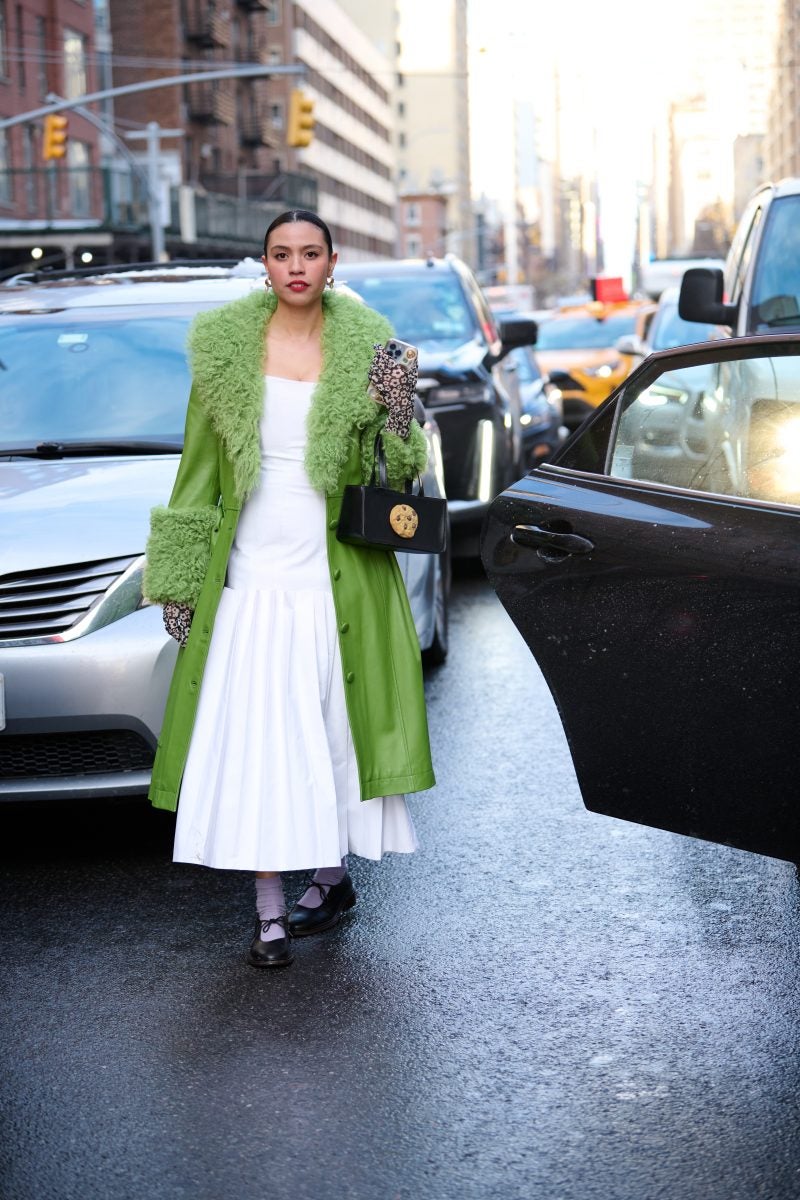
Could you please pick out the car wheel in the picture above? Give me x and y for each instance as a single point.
(436, 653)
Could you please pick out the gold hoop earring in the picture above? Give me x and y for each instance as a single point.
(330, 281)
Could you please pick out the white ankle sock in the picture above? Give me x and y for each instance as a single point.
(270, 903)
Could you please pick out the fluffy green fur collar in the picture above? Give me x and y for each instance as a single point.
(226, 352)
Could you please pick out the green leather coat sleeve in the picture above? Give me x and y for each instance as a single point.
(179, 546)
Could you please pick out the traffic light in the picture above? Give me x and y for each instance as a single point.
(55, 137)
(300, 126)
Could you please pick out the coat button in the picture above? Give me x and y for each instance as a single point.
(349, 676)
(343, 628)
(337, 574)
(332, 524)
(192, 685)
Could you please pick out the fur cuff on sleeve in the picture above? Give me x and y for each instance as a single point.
(405, 459)
(178, 553)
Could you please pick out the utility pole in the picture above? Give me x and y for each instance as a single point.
(153, 135)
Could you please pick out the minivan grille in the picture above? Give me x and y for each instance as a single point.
(49, 601)
(91, 752)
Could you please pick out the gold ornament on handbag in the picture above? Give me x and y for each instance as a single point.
(403, 520)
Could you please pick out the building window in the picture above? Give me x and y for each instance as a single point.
(41, 56)
(21, 47)
(274, 14)
(276, 114)
(401, 108)
(79, 190)
(3, 39)
(401, 140)
(5, 177)
(412, 213)
(74, 64)
(275, 56)
(413, 246)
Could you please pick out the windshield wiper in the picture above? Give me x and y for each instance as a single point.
(79, 449)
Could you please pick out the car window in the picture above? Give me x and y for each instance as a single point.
(583, 333)
(775, 298)
(731, 428)
(91, 374)
(741, 252)
(421, 308)
(669, 330)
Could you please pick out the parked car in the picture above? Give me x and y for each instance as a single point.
(666, 330)
(84, 661)
(759, 288)
(537, 406)
(661, 599)
(437, 305)
(578, 348)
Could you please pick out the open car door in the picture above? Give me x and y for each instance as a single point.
(653, 568)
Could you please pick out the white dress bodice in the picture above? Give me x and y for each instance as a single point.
(280, 539)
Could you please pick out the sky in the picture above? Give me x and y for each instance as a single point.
(608, 71)
(593, 62)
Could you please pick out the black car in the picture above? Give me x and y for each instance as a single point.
(537, 403)
(660, 593)
(437, 305)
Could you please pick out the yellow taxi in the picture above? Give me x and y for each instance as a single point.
(579, 347)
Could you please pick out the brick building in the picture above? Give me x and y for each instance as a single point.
(235, 130)
(48, 46)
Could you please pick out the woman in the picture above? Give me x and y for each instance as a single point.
(296, 718)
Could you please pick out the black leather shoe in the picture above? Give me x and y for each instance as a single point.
(276, 953)
(337, 898)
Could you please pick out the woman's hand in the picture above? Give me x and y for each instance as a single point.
(396, 387)
(178, 621)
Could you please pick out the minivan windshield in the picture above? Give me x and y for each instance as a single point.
(94, 374)
(775, 300)
(422, 308)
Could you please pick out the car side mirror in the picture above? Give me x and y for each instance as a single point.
(516, 332)
(700, 299)
(631, 344)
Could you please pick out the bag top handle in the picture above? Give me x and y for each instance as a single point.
(379, 461)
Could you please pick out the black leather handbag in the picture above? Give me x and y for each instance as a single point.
(375, 516)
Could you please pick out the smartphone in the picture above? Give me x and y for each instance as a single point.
(401, 352)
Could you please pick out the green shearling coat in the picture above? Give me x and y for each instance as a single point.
(191, 538)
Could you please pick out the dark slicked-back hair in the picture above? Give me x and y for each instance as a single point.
(292, 216)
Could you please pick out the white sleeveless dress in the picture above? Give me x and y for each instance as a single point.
(271, 781)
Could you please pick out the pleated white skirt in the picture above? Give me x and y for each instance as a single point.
(271, 781)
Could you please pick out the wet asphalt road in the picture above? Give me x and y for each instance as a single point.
(541, 1003)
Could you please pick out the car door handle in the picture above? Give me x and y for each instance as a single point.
(569, 543)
